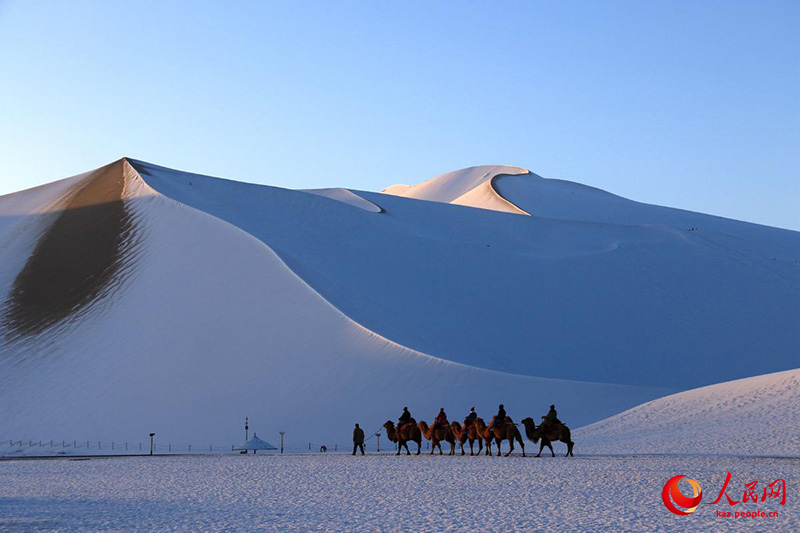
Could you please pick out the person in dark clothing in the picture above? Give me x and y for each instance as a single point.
(404, 419)
(551, 418)
(470, 418)
(358, 440)
(441, 418)
(499, 418)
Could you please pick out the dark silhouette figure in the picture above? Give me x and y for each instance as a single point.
(550, 419)
(441, 419)
(358, 440)
(499, 418)
(404, 419)
(471, 417)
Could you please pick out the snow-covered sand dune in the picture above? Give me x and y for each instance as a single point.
(472, 187)
(751, 416)
(346, 196)
(208, 324)
(207, 300)
(619, 303)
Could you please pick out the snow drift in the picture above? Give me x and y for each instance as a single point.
(751, 416)
(138, 298)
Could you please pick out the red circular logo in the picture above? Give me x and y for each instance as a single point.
(671, 489)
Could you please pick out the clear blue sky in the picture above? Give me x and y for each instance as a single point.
(681, 103)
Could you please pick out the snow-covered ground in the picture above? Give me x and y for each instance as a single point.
(751, 416)
(384, 493)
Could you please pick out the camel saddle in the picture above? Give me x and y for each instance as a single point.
(549, 427)
(410, 423)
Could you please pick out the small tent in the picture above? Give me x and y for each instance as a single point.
(256, 444)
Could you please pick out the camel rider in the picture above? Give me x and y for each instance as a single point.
(500, 417)
(551, 418)
(441, 418)
(470, 417)
(404, 419)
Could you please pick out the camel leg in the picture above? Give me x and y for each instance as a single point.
(522, 445)
(551, 449)
(510, 446)
(399, 448)
(462, 449)
(570, 444)
(480, 446)
(499, 446)
(419, 446)
(488, 447)
(541, 447)
(453, 448)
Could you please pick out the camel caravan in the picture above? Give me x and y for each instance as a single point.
(474, 430)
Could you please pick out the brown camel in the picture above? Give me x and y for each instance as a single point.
(464, 434)
(559, 432)
(507, 431)
(408, 433)
(437, 434)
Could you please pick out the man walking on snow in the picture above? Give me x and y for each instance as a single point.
(358, 439)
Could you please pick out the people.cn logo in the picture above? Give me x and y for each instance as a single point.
(671, 488)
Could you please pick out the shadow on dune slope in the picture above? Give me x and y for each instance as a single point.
(76, 259)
